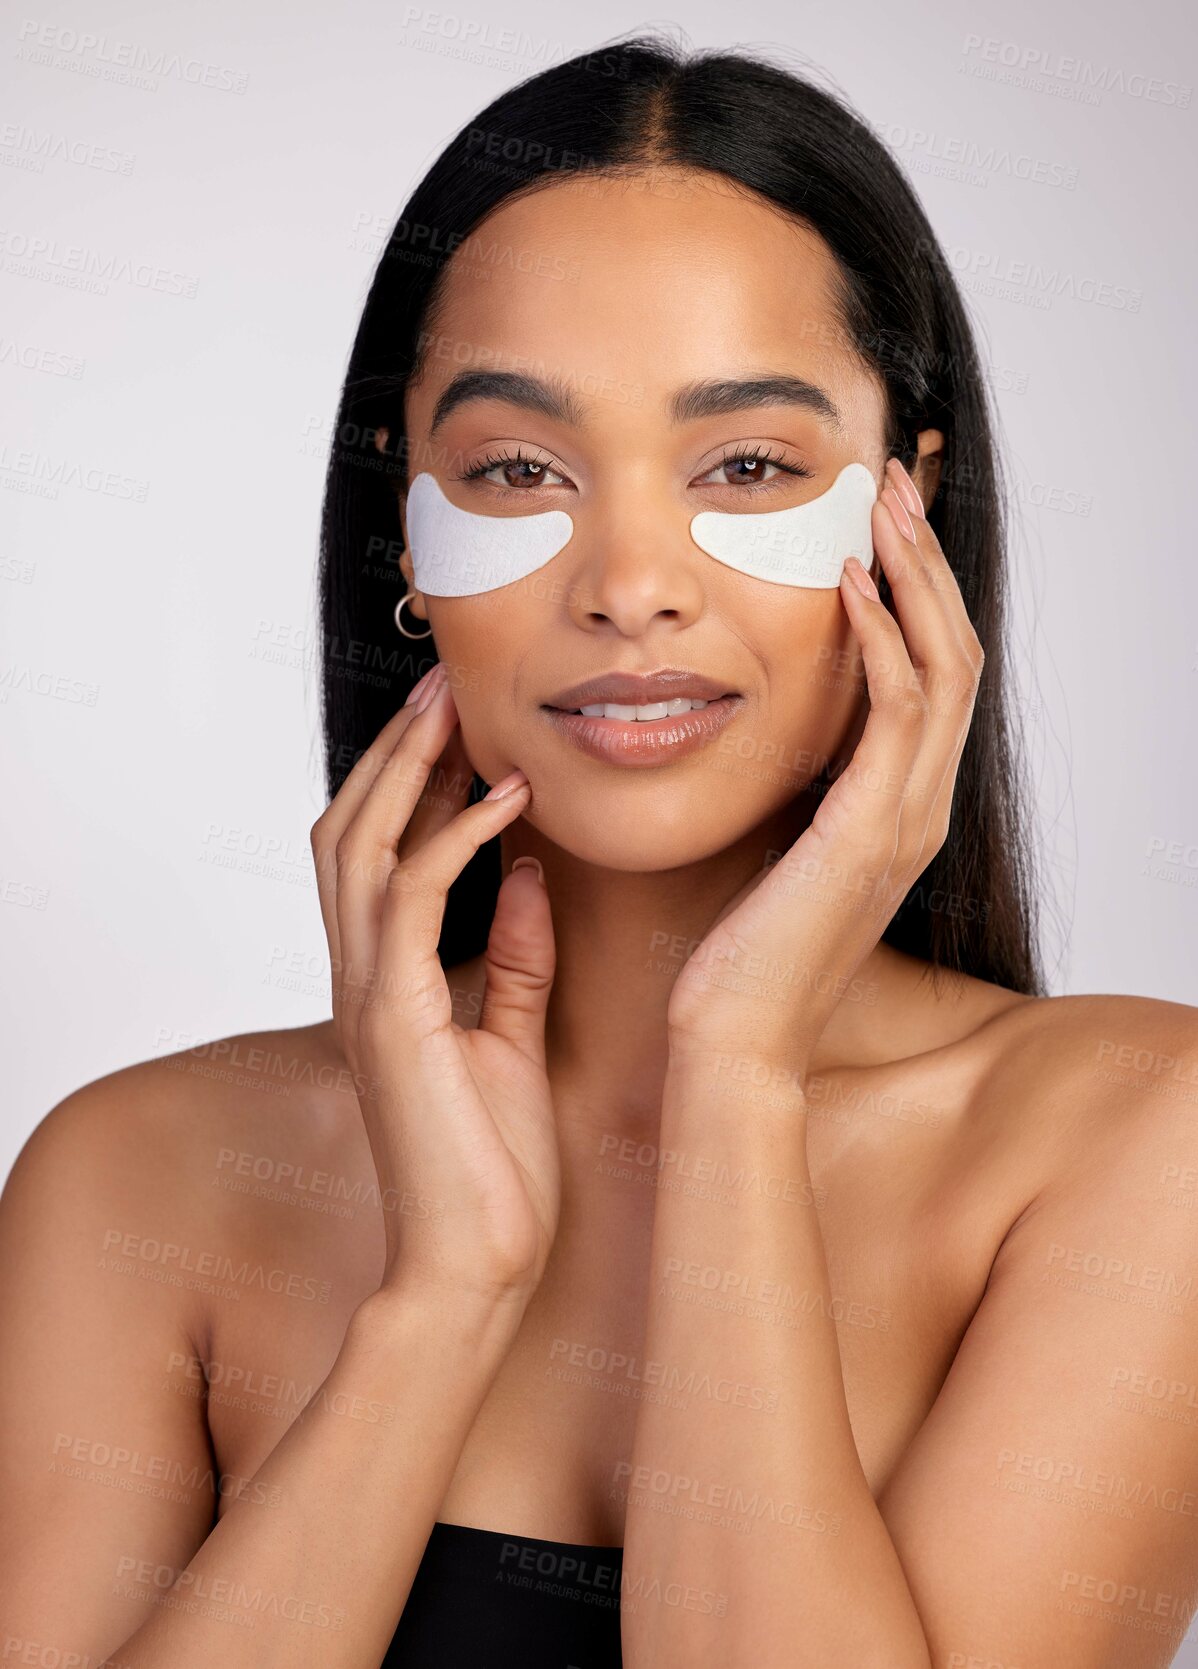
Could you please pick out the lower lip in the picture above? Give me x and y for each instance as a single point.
(645, 741)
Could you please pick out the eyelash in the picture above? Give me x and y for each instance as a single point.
(494, 458)
(762, 455)
(757, 453)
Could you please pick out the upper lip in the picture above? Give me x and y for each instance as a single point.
(639, 689)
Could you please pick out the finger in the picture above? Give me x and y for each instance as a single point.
(945, 674)
(443, 796)
(952, 687)
(519, 962)
(413, 992)
(869, 796)
(366, 852)
(942, 802)
(331, 823)
(939, 569)
(929, 629)
(364, 771)
(907, 490)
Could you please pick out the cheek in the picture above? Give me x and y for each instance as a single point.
(485, 719)
(480, 640)
(814, 673)
(470, 636)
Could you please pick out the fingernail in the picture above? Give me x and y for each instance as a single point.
(531, 863)
(901, 514)
(436, 683)
(859, 575)
(908, 491)
(414, 692)
(506, 785)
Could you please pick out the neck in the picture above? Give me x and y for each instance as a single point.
(622, 938)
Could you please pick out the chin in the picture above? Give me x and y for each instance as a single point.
(641, 821)
(633, 850)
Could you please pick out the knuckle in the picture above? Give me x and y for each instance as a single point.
(894, 688)
(907, 860)
(345, 850)
(959, 688)
(376, 1021)
(404, 880)
(886, 625)
(407, 770)
(911, 708)
(319, 832)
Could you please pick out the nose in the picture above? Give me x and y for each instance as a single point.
(634, 568)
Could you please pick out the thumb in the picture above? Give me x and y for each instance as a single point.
(520, 961)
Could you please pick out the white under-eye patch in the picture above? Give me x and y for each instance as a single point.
(805, 545)
(458, 554)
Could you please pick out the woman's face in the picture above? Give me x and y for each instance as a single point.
(623, 295)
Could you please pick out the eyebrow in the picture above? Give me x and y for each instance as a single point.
(554, 398)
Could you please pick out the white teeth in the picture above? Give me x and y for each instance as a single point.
(652, 710)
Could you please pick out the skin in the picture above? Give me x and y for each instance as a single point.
(952, 1152)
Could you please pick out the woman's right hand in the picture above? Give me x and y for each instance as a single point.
(459, 1120)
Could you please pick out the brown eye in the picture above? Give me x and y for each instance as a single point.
(517, 472)
(748, 468)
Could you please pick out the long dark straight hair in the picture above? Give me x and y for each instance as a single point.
(639, 105)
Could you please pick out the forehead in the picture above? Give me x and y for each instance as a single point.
(656, 279)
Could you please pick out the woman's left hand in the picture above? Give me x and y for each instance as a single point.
(770, 971)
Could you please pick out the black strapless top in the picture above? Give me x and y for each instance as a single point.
(484, 1600)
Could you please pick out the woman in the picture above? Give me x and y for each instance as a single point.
(692, 1165)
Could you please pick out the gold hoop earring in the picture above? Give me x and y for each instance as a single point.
(399, 622)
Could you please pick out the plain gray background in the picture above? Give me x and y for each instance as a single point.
(164, 441)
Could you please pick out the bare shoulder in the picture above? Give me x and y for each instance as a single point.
(157, 1119)
(1100, 1095)
(1098, 1055)
(166, 1161)
(1058, 1461)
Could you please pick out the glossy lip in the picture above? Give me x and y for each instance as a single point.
(645, 741)
(639, 689)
